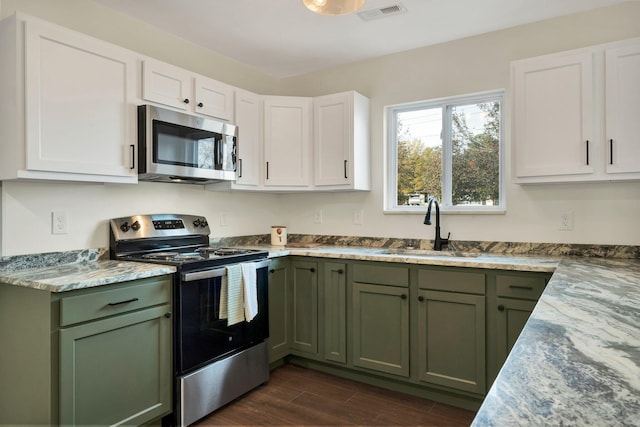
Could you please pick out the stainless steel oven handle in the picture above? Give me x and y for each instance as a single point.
(217, 272)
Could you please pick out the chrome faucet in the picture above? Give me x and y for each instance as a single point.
(439, 241)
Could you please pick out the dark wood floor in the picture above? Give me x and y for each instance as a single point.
(303, 397)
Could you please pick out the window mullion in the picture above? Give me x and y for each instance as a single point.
(392, 160)
(447, 154)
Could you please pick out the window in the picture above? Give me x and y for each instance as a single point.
(450, 149)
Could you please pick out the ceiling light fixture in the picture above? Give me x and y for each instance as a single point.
(333, 7)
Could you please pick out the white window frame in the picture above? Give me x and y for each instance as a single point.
(391, 158)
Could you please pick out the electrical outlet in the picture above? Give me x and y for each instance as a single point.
(59, 222)
(317, 216)
(566, 220)
(357, 216)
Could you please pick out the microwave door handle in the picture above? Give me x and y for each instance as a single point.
(218, 148)
(216, 272)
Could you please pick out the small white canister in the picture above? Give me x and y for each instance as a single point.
(278, 235)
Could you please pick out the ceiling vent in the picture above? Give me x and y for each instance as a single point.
(382, 12)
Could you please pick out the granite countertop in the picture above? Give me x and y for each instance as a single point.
(424, 257)
(67, 277)
(577, 361)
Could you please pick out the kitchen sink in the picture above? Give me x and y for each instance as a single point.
(429, 253)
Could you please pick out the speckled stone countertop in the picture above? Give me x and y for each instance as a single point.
(67, 277)
(424, 257)
(577, 361)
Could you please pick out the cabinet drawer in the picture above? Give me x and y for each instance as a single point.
(139, 294)
(381, 275)
(452, 281)
(524, 287)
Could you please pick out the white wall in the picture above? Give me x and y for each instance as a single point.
(27, 211)
(603, 213)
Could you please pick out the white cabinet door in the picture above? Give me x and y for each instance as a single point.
(341, 141)
(176, 87)
(167, 85)
(79, 103)
(250, 141)
(622, 114)
(213, 98)
(332, 139)
(554, 115)
(287, 141)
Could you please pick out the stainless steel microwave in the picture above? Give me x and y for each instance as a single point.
(183, 148)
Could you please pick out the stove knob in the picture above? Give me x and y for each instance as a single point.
(203, 223)
(196, 223)
(135, 226)
(125, 227)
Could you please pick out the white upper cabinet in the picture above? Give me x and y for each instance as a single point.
(575, 115)
(287, 142)
(554, 115)
(176, 87)
(623, 109)
(341, 142)
(248, 113)
(69, 106)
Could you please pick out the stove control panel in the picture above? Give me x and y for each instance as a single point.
(158, 225)
(168, 224)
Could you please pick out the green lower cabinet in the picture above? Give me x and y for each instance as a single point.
(334, 314)
(516, 296)
(304, 287)
(451, 340)
(279, 309)
(95, 356)
(512, 314)
(381, 328)
(116, 370)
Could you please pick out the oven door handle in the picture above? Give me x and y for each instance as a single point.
(217, 272)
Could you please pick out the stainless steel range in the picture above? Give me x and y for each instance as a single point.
(215, 360)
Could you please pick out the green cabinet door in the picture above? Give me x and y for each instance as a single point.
(512, 314)
(334, 291)
(279, 309)
(304, 287)
(381, 328)
(116, 370)
(451, 340)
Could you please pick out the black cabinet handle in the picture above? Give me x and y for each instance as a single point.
(501, 307)
(340, 271)
(272, 271)
(403, 296)
(587, 152)
(133, 156)
(200, 104)
(123, 302)
(420, 298)
(611, 151)
(313, 270)
(345, 170)
(267, 170)
(167, 315)
(239, 168)
(186, 100)
(526, 288)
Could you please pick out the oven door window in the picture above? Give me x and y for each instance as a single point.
(184, 146)
(203, 335)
